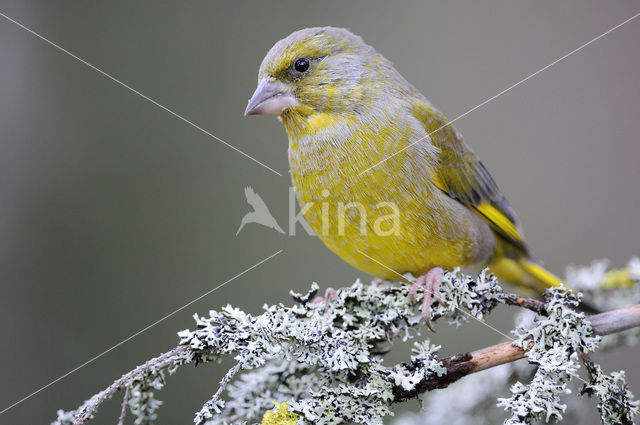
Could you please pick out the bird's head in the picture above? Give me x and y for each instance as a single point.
(319, 70)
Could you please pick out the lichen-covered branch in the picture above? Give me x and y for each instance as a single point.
(461, 365)
(125, 403)
(612, 393)
(214, 404)
(323, 362)
(86, 411)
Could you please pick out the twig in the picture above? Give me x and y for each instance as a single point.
(461, 365)
(223, 384)
(524, 302)
(588, 364)
(125, 400)
(86, 410)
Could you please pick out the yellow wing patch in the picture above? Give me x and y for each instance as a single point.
(492, 215)
(497, 219)
(437, 181)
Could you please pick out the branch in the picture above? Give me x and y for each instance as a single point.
(616, 321)
(461, 365)
(123, 409)
(86, 410)
(212, 405)
(323, 361)
(524, 302)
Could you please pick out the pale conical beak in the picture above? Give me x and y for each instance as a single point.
(270, 98)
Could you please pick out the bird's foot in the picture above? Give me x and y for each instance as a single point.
(329, 295)
(431, 284)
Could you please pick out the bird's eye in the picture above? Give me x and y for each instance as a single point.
(301, 64)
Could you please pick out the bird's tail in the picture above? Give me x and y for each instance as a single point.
(525, 274)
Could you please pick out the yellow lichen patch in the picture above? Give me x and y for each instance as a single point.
(279, 415)
(617, 278)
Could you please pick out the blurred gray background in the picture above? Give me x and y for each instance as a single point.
(113, 213)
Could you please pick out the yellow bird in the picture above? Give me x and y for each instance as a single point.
(381, 176)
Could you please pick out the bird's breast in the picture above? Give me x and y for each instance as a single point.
(387, 217)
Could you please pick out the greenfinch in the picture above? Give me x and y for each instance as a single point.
(360, 136)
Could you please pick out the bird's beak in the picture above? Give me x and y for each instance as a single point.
(270, 98)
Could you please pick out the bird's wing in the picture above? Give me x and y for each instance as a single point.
(461, 175)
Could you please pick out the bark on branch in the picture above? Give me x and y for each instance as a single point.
(461, 365)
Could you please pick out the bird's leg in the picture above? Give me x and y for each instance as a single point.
(431, 284)
(330, 294)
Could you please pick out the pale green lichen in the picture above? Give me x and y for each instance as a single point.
(615, 401)
(555, 343)
(321, 357)
(321, 362)
(424, 364)
(142, 403)
(475, 407)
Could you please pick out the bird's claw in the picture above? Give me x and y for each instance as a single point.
(431, 284)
